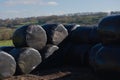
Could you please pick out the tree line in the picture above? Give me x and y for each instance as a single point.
(78, 18)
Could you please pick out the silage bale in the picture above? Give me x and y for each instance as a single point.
(48, 50)
(6, 48)
(7, 65)
(109, 30)
(77, 55)
(27, 59)
(85, 35)
(92, 54)
(56, 33)
(71, 27)
(94, 36)
(99, 62)
(108, 58)
(30, 36)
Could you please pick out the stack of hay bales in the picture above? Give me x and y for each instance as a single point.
(32, 45)
(105, 56)
(56, 33)
(50, 45)
(57, 59)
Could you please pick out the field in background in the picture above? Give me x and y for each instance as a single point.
(6, 33)
(6, 43)
(5, 36)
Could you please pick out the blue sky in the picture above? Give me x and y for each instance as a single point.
(29, 8)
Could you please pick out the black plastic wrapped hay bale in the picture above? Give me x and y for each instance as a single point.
(56, 33)
(107, 62)
(27, 59)
(77, 55)
(94, 36)
(48, 50)
(6, 48)
(7, 65)
(108, 58)
(71, 27)
(92, 54)
(30, 36)
(109, 30)
(85, 35)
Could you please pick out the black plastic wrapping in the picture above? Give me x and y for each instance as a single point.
(93, 53)
(6, 48)
(77, 55)
(85, 35)
(71, 27)
(108, 58)
(109, 30)
(57, 59)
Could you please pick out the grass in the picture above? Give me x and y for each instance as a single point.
(6, 43)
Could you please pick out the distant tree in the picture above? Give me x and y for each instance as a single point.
(87, 18)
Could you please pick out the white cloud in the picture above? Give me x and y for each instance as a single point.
(52, 3)
(11, 12)
(57, 13)
(20, 2)
(28, 2)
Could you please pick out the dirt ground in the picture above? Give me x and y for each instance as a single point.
(62, 73)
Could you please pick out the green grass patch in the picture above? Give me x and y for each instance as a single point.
(6, 43)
